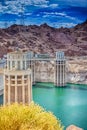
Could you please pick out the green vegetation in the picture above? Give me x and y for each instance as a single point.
(27, 117)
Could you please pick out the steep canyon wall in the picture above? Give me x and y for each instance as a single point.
(76, 71)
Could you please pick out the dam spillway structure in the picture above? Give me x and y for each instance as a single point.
(18, 78)
(25, 69)
(60, 70)
(50, 69)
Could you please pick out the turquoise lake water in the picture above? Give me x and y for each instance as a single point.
(69, 104)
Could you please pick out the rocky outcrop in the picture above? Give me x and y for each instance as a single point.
(45, 39)
(78, 78)
(73, 127)
(77, 70)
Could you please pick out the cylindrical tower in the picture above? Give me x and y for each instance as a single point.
(17, 78)
(60, 72)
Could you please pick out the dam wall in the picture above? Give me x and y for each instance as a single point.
(44, 71)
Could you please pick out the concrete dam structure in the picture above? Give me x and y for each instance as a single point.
(17, 79)
(47, 69)
(24, 69)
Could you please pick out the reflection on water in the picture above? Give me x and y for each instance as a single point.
(77, 86)
(69, 104)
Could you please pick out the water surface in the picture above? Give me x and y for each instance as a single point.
(68, 104)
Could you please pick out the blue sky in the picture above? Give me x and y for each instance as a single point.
(56, 13)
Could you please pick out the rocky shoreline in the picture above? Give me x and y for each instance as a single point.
(73, 127)
(77, 70)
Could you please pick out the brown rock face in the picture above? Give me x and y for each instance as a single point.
(45, 39)
(73, 127)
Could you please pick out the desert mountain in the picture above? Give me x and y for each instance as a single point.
(45, 39)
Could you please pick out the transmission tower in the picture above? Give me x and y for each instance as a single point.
(5, 24)
(22, 18)
(5, 17)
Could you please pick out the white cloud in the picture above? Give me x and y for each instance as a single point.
(67, 24)
(53, 5)
(38, 2)
(3, 8)
(47, 5)
(26, 2)
(72, 18)
(42, 5)
(47, 14)
(57, 14)
(61, 14)
(58, 25)
(17, 6)
(28, 13)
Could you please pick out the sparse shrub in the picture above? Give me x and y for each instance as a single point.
(27, 117)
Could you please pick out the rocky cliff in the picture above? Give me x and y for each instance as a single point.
(45, 39)
(44, 71)
(77, 70)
